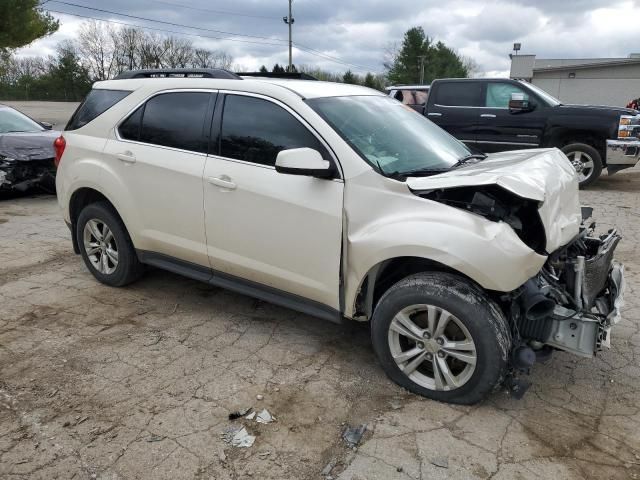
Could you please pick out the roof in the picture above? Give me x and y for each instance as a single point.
(407, 87)
(556, 64)
(303, 88)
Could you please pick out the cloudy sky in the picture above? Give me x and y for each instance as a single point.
(342, 34)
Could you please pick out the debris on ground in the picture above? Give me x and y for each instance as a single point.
(239, 413)
(328, 467)
(238, 437)
(264, 417)
(259, 397)
(155, 438)
(251, 416)
(442, 462)
(353, 435)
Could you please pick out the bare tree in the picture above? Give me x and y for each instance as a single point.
(178, 52)
(97, 49)
(127, 47)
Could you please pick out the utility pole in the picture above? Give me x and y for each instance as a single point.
(289, 21)
(422, 59)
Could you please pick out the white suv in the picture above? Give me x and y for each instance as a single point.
(340, 202)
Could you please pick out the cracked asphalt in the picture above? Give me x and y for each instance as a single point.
(138, 382)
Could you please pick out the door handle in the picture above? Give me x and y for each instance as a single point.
(434, 114)
(126, 157)
(487, 115)
(223, 182)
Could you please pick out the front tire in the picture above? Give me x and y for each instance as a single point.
(105, 246)
(439, 336)
(586, 160)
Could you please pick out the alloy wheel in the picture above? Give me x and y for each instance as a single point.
(432, 347)
(583, 163)
(100, 246)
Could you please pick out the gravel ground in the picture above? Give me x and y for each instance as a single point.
(97, 382)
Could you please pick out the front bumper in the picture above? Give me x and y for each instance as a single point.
(21, 175)
(622, 154)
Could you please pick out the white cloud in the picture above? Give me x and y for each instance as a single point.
(359, 31)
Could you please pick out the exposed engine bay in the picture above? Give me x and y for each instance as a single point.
(20, 175)
(575, 299)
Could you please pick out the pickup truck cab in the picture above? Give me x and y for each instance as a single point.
(495, 115)
(342, 203)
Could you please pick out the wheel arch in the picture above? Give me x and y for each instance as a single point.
(80, 198)
(386, 273)
(561, 137)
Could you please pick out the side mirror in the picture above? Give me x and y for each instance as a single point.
(46, 125)
(519, 103)
(303, 161)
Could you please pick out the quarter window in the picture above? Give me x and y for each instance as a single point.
(499, 94)
(171, 120)
(97, 102)
(459, 94)
(256, 130)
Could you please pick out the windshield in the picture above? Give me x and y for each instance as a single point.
(14, 121)
(550, 99)
(390, 136)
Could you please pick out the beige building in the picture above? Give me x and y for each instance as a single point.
(596, 81)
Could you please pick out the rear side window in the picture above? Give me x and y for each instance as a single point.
(171, 120)
(459, 94)
(256, 130)
(412, 97)
(97, 102)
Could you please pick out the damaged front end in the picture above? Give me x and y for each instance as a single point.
(22, 175)
(570, 305)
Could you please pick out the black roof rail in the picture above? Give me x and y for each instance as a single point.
(291, 75)
(178, 73)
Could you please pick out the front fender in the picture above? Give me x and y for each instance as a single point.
(490, 253)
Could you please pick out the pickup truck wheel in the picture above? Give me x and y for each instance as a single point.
(105, 246)
(441, 337)
(586, 160)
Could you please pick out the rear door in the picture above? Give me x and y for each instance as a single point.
(159, 153)
(499, 129)
(415, 98)
(453, 106)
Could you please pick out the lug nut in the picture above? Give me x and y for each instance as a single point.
(426, 335)
(440, 341)
(420, 346)
(441, 354)
(429, 356)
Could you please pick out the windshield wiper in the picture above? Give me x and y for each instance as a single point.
(473, 156)
(419, 172)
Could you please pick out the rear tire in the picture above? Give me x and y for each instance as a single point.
(586, 160)
(460, 333)
(106, 247)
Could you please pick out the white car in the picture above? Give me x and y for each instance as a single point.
(340, 202)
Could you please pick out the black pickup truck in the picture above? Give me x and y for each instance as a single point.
(493, 115)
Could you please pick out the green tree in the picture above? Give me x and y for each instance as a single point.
(440, 61)
(349, 77)
(278, 69)
(263, 69)
(21, 22)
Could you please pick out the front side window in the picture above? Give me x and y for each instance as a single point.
(459, 94)
(256, 130)
(390, 136)
(499, 94)
(173, 119)
(14, 121)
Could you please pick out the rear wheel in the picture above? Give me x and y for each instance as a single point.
(105, 246)
(586, 160)
(439, 336)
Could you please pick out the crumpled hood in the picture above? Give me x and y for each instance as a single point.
(28, 146)
(544, 175)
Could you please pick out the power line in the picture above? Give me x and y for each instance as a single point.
(299, 46)
(144, 27)
(222, 12)
(101, 10)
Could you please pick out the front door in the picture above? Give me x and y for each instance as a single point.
(499, 129)
(277, 230)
